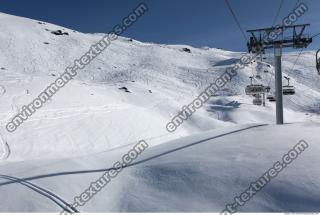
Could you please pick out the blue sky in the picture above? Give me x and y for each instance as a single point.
(193, 22)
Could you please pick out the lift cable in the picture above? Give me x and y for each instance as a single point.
(278, 13)
(316, 35)
(300, 52)
(296, 61)
(236, 19)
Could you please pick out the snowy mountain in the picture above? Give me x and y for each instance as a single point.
(130, 92)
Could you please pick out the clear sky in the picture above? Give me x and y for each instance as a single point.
(193, 22)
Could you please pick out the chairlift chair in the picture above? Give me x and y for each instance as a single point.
(271, 98)
(288, 90)
(254, 89)
(255, 46)
(257, 101)
(257, 96)
(318, 61)
(298, 44)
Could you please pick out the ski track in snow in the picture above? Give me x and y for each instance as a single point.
(135, 163)
(44, 192)
(55, 114)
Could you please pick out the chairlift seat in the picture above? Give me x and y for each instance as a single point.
(271, 98)
(288, 90)
(257, 101)
(254, 89)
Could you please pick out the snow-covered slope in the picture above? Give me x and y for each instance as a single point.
(91, 115)
(201, 173)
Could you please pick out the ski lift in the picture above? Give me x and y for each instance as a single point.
(288, 90)
(255, 47)
(254, 89)
(257, 100)
(318, 61)
(271, 98)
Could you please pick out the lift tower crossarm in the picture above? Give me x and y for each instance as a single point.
(283, 27)
(260, 38)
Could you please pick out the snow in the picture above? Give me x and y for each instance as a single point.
(200, 173)
(90, 124)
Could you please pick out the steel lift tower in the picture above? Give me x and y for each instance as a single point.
(278, 38)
